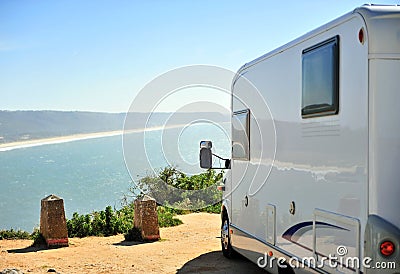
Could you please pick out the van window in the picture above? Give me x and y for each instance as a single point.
(241, 135)
(320, 79)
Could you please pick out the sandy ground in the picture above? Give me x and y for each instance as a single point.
(193, 247)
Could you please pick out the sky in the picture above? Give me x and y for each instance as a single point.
(96, 55)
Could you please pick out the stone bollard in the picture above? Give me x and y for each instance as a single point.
(146, 218)
(53, 225)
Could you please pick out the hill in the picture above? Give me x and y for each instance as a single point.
(28, 125)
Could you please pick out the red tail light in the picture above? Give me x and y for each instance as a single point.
(387, 248)
(361, 36)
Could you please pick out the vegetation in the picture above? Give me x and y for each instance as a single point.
(109, 222)
(14, 234)
(178, 179)
(101, 223)
(164, 187)
(166, 217)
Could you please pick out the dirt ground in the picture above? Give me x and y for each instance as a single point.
(193, 247)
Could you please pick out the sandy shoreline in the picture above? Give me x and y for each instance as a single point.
(57, 140)
(78, 137)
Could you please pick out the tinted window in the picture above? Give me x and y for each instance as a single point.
(240, 135)
(320, 80)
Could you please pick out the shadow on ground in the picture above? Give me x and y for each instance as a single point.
(128, 243)
(132, 243)
(215, 263)
(32, 248)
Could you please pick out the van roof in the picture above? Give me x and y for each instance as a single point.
(369, 12)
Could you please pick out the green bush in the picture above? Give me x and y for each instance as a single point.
(101, 223)
(110, 222)
(173, 177)
(14, 234)
(166, 217)
(216, 208)
(160, 186)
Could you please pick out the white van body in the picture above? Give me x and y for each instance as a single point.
(327, 182)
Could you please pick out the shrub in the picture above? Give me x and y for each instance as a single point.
(101, 223)
(166, 217)
(14, 234)
(216, 208)
(160, 186)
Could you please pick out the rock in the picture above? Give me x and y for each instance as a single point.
(11, 271)
(52, 270)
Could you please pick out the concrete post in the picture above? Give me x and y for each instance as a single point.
(53, 225)
(146, 218)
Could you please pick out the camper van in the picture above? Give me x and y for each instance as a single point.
(313, 183)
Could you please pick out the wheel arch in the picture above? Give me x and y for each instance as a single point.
(225, 209)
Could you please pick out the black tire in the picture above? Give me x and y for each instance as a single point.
(226, 245)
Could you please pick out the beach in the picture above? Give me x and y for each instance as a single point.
(192, 247)
(77, 137)
(57, 140)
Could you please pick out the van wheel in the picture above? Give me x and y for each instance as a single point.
(227, 249)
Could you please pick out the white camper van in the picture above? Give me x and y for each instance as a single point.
(314, 180)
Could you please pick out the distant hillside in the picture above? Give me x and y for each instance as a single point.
(26, 125)
(29, 125)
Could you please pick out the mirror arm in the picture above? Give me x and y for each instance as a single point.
(219, 157)
(227, 162)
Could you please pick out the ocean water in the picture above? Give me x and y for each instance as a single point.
(91, 174)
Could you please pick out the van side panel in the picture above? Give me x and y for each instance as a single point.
(320, 163)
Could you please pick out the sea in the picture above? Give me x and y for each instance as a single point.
(90, 174)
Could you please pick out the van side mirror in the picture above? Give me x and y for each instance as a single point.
(206, 157)
(205, 154)
(227, 164)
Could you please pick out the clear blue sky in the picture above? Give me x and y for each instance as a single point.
(96, 55)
